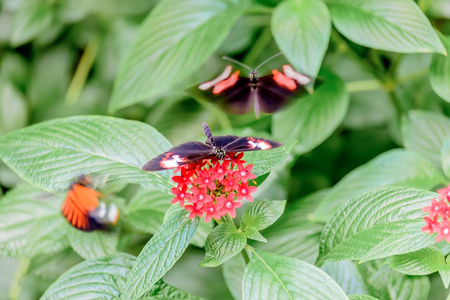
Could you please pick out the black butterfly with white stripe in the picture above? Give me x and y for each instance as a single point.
(215, 146)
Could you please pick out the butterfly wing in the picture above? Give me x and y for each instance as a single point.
(179, 155)
(223, 140)
(235, 99)
(272, 96)
(249, 143)
(77, 206)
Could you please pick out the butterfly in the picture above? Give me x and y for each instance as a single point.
(236, 94)
(215, 146)
(83, 209)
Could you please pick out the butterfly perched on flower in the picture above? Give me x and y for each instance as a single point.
(215, 146)
(83, 209)
(236, 94)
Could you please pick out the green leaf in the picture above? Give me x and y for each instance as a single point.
(269, 276)
(223, 243)
(100, 278)
(302, 31)
(385, 283)
(162, 290)
(377, 224)
(313, 119)
(146, 210)
(347, 275)
(444, 272)
(261, 214)
(385, 25)
(424, 132)
(30, 19)
(160, 254)
(14, 67)
(397, 167)
(53, 154)
(264, 161)
(233, 272)
(445, 156)
(422, 262)
(175, 40)
(440, 72)
(361, 297)
(31, 223)
(52, 266)
(293, 235)
(201, 234)
(13, 108)
(93, 244)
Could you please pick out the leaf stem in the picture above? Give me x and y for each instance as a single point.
(245, 254)
(82, 71)
(16, 286)
(363, 85)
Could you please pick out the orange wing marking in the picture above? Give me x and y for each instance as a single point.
(209, 84)
(227, 83)
(284, 81)
(79, 202)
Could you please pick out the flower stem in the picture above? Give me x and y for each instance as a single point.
(16, 286)
(82, 71)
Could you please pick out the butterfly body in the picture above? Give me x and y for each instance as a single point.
(215, 147)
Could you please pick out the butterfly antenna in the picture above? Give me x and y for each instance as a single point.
(237, 62)
(208, 133)
(267, 60)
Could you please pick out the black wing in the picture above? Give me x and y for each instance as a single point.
(272, 97)
(250, 144)
(235, 99)
(179, 155)
(223, 140)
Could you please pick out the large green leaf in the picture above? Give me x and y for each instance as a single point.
(312, 119)
(146, 210)
(100, 278)
(293, 234)
(269, 276)
(264, 161)
(397, 26)
(13, 108)
(175, 40)
(160, 254)
(361, 297)
(385, 283)
(30, 19)
(302, 30)
(440, 72)
(425, 132)
(55, 153)
(233, 272)
(223, 242)
(347, 275)
(422, 262)
(93, 244)
(376, 224)
(397, 167)
(31, 223)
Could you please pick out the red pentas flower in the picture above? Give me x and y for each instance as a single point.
(438, 219)
(214, 188)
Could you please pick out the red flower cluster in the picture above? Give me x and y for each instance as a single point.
(213, 188)
(438, 216)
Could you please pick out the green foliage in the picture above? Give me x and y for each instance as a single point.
(272, 276)
(101, 87)
(358, 232)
